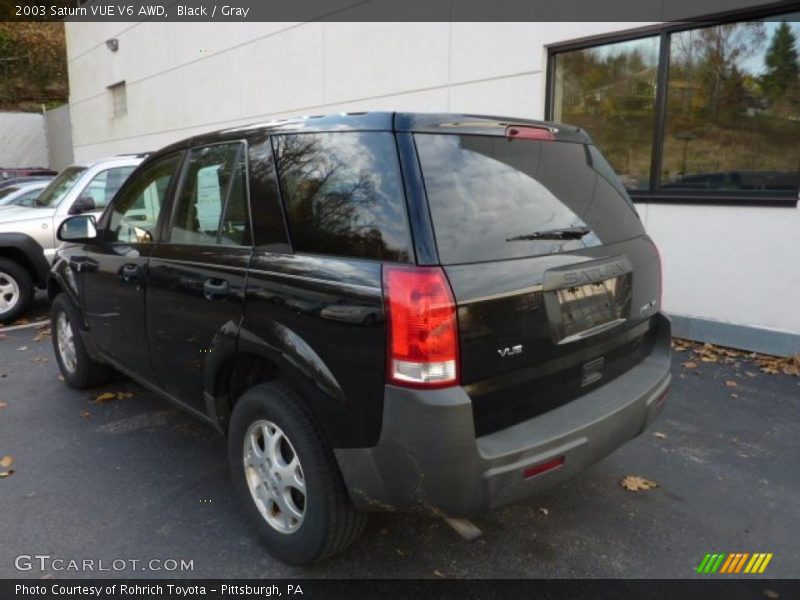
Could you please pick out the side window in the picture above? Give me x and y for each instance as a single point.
(105, 184)
(235, 228)
(213, 198)
(269, 227)
(135, 212)
(28, 198)
(344, 194)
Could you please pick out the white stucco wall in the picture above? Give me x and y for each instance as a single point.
(736, 265)
(23, 142)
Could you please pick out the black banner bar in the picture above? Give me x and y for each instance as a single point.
(389, 589)
(381, 10)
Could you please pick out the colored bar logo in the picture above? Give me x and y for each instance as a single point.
(738, 562)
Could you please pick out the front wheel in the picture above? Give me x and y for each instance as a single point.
(16, 290)
(77, 367)
(285, 474)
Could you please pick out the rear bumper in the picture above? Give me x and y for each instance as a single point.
(429, 458)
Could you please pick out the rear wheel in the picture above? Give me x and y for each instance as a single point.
(77, 367)
(285, 474)
(16, 290)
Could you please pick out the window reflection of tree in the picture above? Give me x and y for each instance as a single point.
(332, 199)
(733, 109)
(611, 91)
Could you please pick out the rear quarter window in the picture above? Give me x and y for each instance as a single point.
(343, 194)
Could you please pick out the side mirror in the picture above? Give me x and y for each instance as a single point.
(82, 205)
(80, 229)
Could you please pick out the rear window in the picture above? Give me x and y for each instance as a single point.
(495, 199)
(344, 194)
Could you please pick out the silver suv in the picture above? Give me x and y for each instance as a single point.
(27, 234)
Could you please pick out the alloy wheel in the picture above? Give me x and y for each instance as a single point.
(9, 293)
(66, 343)
(275, 476)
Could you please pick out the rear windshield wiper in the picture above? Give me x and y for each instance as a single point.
(566, 233)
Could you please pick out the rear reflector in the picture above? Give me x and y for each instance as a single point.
(543, 467)
(422, 335)
(514, 132)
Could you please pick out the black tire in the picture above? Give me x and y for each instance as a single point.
(87, 372)
(12, 272)
(330, 522)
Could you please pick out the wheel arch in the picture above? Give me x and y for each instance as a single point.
(230, 372)
(26, 252)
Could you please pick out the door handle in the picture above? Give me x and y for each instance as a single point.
(130, 272)
(215, 288)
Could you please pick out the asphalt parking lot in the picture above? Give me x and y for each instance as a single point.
(135, 478)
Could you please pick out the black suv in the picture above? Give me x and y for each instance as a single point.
(381, 311)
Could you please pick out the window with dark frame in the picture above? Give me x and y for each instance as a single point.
(343, 194)
(704, 113)
(211, 205)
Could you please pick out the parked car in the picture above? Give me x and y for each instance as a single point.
(520, 336)
(27, 233)
(7, 173)
(752, 181)
(20, 180)
(22, 194)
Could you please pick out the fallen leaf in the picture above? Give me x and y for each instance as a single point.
(400, 552)
(734, 395)
(680, 345)
(772, 595)
(42, 335)
(8, 473)
(659, 435)
(774, 365)
(61, 377)
(86, 414)
(22, 348)
(109, 396)
(689, 365)
(6, 461)
(22, 321)
(730, 383)
(751, 374)
(438, 573)
(3, 405)
(634, 483)
(544, 511)
(40, 359)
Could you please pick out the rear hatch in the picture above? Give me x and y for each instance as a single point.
(556, 283)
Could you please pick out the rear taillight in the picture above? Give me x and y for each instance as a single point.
(422, 331)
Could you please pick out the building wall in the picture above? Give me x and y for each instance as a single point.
(23, 140)
(58, 127)
(729, 265)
